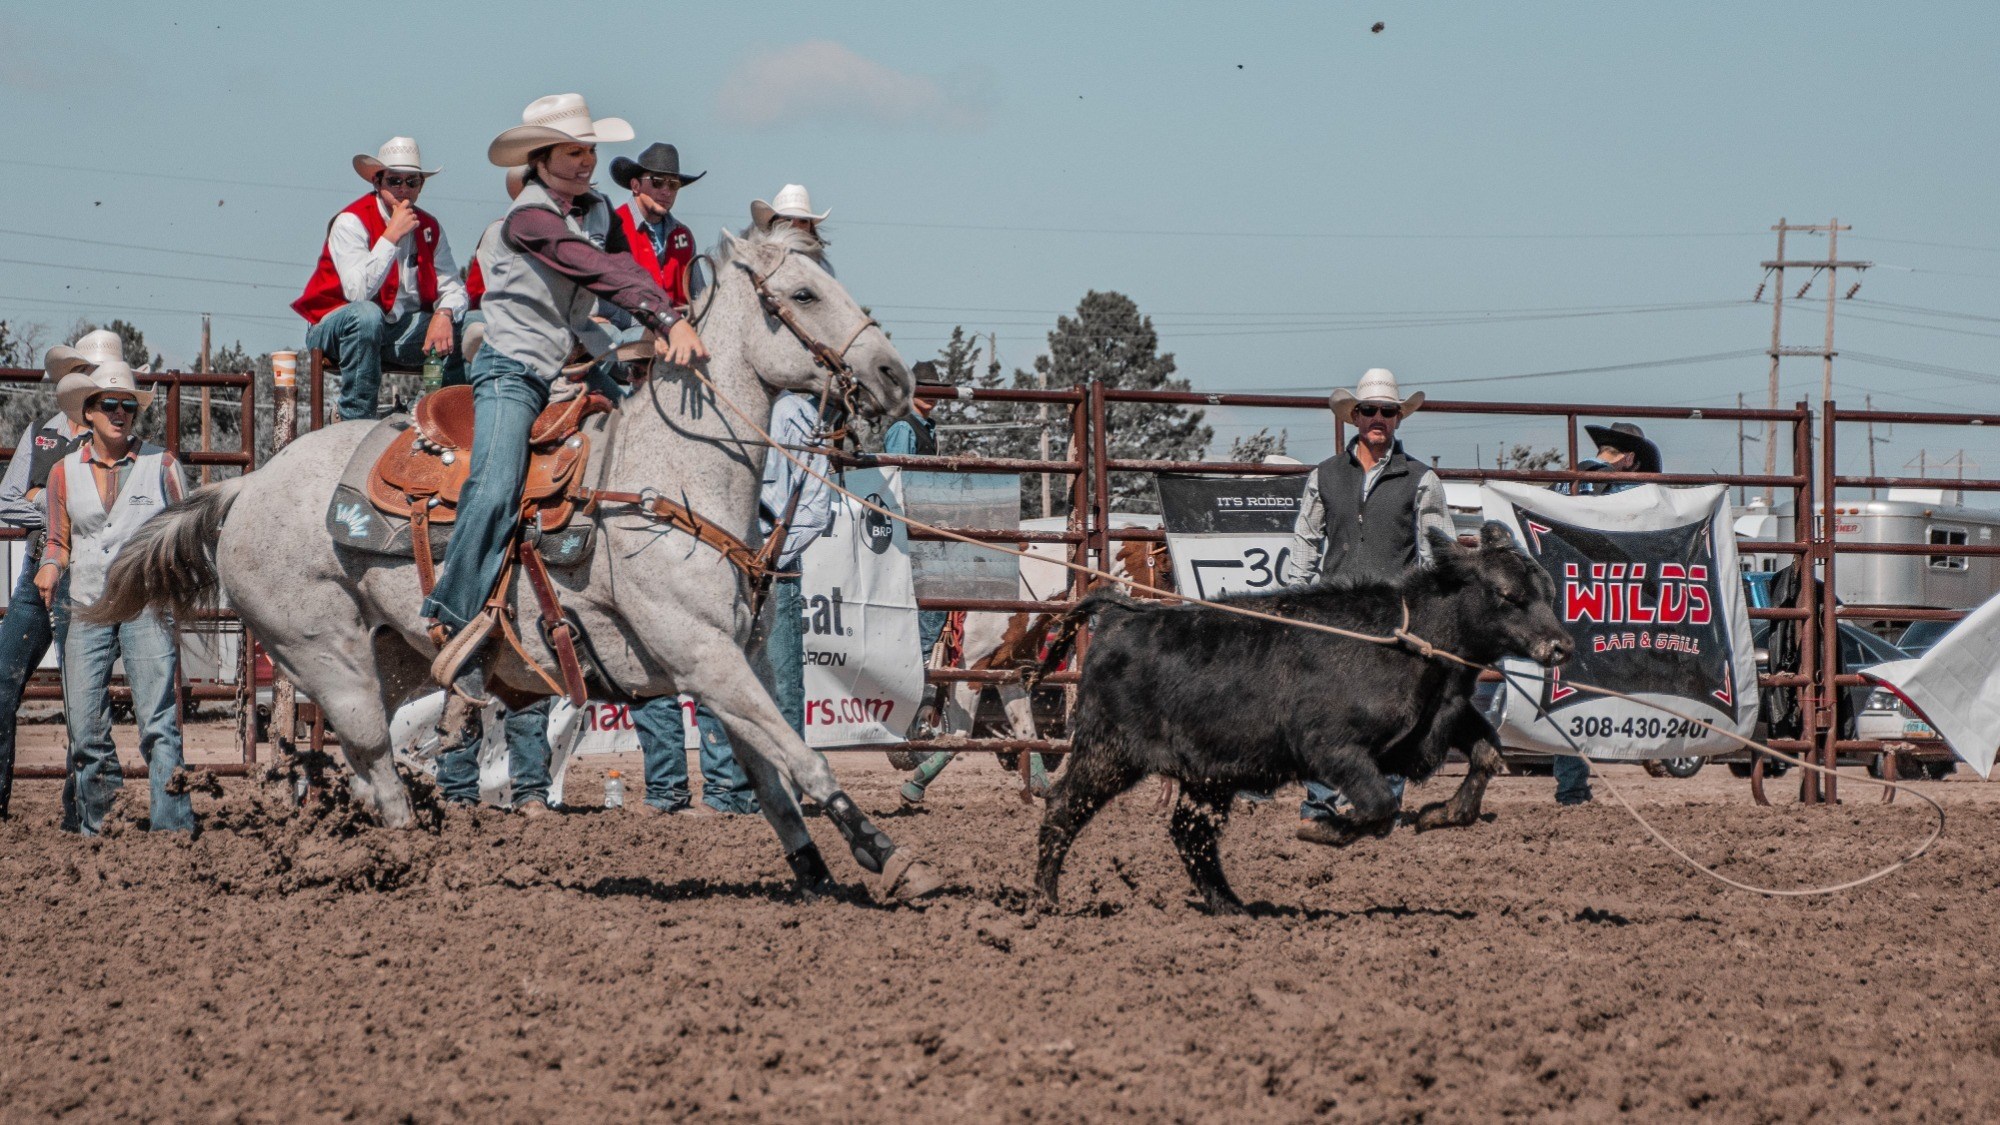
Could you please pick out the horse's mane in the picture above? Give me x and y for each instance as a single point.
(783, 235)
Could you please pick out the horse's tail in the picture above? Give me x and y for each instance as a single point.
(169, 563)
(1063, 630)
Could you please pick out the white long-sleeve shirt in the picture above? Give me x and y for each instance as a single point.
(793, 419)
(363, 267)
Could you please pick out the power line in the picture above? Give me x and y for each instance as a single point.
(150, 249)
(1676, 361)
(122, 307)
(1924, 368)
(143, 273)
(1922, 311)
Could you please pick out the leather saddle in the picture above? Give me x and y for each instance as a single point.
(422, 473)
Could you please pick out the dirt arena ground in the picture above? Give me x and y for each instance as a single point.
(1549, 964)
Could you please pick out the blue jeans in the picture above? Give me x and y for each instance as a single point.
(151, 666)
(930, 623)
(1572, 780)
(1320, 799)
(359, 339)
(24, 639)
(725, 787)
(527, 759)
(785, 651)
(506, 396)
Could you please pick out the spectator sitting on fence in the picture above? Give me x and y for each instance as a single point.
(661, 244)
(386, 290)
(29, 627)
(725, 785)
(97, 497)
(1621, 448)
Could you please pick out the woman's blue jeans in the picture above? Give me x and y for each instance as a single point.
(506, 397)
(152, 667)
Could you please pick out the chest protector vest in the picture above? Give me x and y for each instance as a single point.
(323, 290)
(669, 270)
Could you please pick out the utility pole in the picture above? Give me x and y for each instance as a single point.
(1869, 402)
(1742, 494)
(204, 393)
(1832, 264)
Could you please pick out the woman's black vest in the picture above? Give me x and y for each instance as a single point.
(1375, 538)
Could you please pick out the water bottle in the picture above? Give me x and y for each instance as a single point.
(433, 371)
(614, 790)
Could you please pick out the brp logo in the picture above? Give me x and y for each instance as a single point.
(876, 529)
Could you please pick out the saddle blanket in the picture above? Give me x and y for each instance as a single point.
(358, 525)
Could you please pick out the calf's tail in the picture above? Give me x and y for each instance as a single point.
(170, 562)
(1064, 628)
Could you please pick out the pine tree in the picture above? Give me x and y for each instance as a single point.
(1256, 448)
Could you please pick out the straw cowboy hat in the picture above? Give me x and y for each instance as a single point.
(90, 349)
(791, 202)
(558, 119)
(1628, 438)
(79, 387)
(1378, 384)
(661, 160)
(398, 154)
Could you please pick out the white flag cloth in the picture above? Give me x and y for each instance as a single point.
(1956, 686)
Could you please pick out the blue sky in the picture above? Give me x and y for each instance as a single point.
(1292, 197)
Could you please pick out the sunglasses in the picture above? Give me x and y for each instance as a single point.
(108, 405)
(654, 181)
(1371, 410)
(402, 181)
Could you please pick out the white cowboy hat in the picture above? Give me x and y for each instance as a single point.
(791, 202)
(79, 387)
(1378, 384)
(399, 154)
(558, 119)
(90, 349)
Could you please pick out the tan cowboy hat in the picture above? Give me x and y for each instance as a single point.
(90, 349)
(79, 388)
(1378, 384)
(558, 119)
(398, 154)
(791, 202)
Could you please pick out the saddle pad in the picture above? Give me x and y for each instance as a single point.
(356, 524)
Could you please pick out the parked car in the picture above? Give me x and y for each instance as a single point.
(1919, 636)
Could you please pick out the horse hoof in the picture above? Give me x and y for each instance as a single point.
(905, 878)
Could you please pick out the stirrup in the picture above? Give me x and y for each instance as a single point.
(452, 658)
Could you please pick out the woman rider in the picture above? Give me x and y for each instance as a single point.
(559, 250)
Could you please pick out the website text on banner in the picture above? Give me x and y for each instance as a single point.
(864, 675)
(1646, 581)
(1229, 535)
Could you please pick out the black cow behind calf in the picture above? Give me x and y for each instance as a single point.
(1224, 703)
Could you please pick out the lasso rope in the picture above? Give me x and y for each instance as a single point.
(1401, 636)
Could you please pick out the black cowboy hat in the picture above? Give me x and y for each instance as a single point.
(1631, 439)
(661, 160)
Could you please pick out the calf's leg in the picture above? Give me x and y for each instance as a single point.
(1350, 770)
(1096, 774)
(1474, 737)
(1196, 828)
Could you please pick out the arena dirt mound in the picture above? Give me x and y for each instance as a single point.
(321, 838)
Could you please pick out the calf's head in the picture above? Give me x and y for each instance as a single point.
(1508, 600)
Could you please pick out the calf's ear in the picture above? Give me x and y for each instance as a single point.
(1494, 535)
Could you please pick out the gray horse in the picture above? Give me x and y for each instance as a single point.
(663, 612)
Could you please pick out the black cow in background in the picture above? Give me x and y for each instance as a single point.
(1224, 703)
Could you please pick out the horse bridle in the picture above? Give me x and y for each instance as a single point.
(837, 391)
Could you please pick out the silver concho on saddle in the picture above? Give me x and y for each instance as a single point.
(411, 468)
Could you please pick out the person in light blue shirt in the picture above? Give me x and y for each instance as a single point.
(790, 490)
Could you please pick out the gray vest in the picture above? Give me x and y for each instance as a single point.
(95, 534)
(534, 314)
(1375, 538)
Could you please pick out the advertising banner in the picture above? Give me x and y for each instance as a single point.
(1646, 582)
(863, 674)
(1229, 534)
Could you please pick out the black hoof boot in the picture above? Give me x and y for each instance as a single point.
(809, 868)
(870, 847)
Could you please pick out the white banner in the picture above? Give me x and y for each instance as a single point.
(1647, 584)
(1229, 535)
(863, 675)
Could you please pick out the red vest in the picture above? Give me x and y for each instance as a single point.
(671, 272)
(323, 291)
(475, 286)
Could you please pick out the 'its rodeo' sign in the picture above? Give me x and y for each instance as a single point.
(1646, 582)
